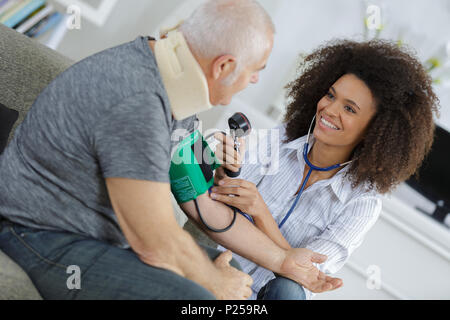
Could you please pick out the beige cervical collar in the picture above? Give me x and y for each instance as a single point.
(182, 76)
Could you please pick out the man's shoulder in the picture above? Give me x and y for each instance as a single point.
(128, 66)
(125, 74)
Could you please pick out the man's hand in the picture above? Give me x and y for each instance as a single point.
(298, 266)
(231, 283)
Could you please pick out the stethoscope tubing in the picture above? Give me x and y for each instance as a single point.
(311, 168)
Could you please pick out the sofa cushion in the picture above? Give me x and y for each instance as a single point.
(27, 67)
(7, 119)
(14, 282)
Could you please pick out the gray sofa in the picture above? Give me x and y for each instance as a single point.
(26, 68)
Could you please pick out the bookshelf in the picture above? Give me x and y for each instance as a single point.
(49, 20)
(34, 18)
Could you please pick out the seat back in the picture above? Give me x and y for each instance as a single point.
(26, 68)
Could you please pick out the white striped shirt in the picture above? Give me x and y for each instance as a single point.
(330, 217)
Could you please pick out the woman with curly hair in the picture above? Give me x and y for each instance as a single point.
(371, 106)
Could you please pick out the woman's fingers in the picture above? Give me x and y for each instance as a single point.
(224, 138)
(226, 148)
(235, 195)
(327, 284)
(227, 154)
(228, 140)
(335, 282)
(229, 190)
(232, 201)
(236, 182)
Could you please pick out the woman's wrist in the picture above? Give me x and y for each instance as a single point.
(265, 222)
(262, 219)
(260, 213)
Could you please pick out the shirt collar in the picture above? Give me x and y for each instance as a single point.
(296, 144)
(340, 185)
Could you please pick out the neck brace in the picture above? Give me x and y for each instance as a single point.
(182, 76)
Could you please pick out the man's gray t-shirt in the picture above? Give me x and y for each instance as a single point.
(106, 116)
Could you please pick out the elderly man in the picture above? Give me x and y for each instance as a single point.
(85, 184)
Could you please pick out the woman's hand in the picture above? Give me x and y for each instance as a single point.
(245, 196)
(227, 156)
(298, 265)
(240, 194)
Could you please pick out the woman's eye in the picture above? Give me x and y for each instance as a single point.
(350, 109)
(330, 95)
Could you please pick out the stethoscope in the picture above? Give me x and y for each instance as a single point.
(311, 168)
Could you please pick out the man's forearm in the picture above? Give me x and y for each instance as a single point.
(243, 238)
(189, 258)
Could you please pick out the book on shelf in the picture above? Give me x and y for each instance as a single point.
(34, 19)
(8, 15)
(30, 17)
(7, 6)
(45, 24)
(22, 12)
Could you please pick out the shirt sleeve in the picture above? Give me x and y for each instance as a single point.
(346, 233)
(133, 140)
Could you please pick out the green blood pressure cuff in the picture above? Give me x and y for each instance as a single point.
(191, 170)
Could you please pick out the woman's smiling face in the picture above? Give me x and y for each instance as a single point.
(344, 113)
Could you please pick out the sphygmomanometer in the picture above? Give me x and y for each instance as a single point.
(193, 164)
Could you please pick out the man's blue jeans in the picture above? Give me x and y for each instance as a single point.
(281, 289)
(107, 272)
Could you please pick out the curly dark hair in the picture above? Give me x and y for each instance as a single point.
(401, 132)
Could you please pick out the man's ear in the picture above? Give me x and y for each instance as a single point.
(223, 66)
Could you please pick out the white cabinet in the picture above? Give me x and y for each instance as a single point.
(411, 251)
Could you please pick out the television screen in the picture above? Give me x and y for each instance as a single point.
(434, 175)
